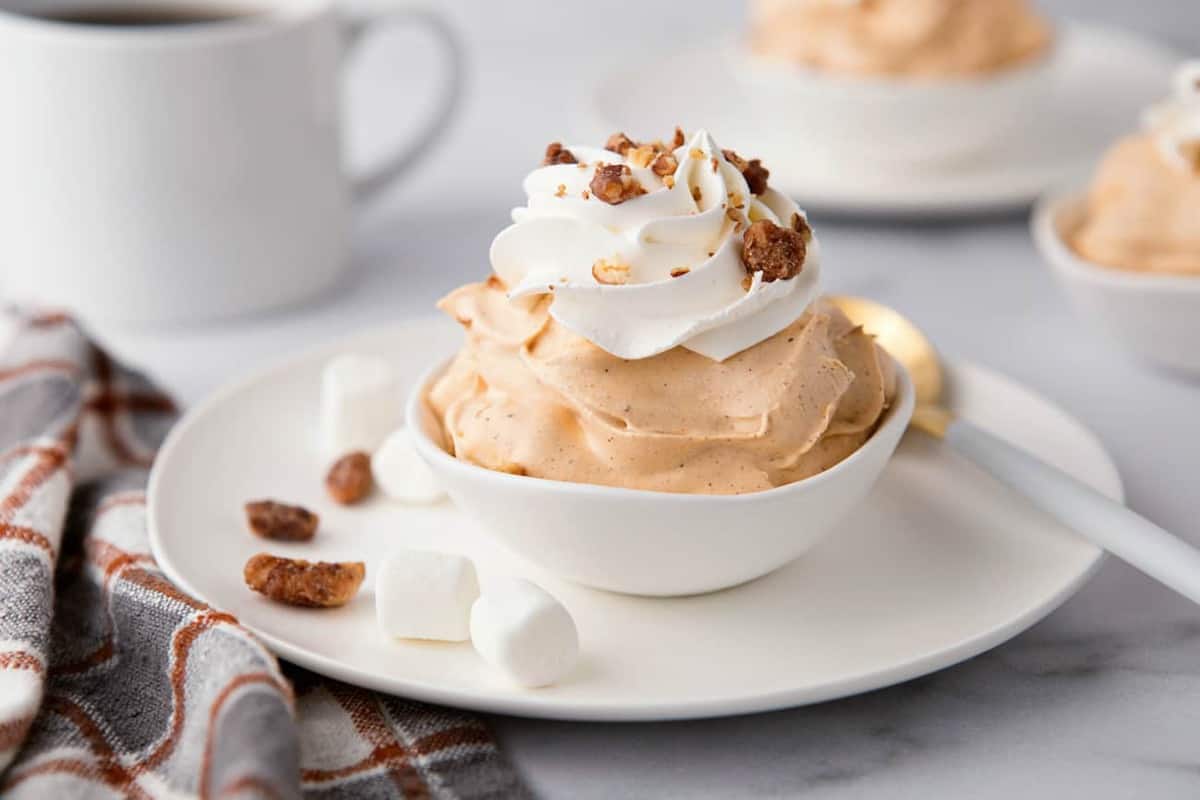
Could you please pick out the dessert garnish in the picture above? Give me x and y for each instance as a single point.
(349, 479)
(658, 263)
(557, 154)
(297, 582)
(614, 183)
(280, 521)
(775, 252)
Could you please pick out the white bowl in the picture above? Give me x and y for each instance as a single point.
(1155, 316)
(892, 120)
(657, 543)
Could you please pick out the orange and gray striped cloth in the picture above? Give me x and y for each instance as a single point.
(113, 683)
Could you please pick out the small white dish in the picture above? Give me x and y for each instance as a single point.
(1101, 80)
(1156, 317)
(892, 121)
(658, 543)
(937, 565)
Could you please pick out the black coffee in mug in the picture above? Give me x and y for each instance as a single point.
(133, 15)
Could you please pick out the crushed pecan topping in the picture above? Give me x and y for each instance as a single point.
(737, 218)
(619, 143)
(696, 153)
(611, 273)
(679, 272)
(753, 171)
(557, 154)
(665, 164)
(641, 156)
(747, 282)
(279, 521)
(697, 195)
(561, 191)
(778, 253)
(320, 584)
(715, 164)
(800, 225)
(493, 282)
(349, 479)
(614, 184)
(736, 200)
(669, 181)
(679, 139)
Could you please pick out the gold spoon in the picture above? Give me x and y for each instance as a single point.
(1097, 518)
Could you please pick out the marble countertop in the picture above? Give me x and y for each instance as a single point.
(1100, 700)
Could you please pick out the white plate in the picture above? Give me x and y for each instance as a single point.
(941, 564)
(1104, 79)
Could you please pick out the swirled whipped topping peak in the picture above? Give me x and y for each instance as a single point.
(650, 246)
(1175, 122)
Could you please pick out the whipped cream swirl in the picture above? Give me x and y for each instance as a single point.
(678, 247)
(1175, 122)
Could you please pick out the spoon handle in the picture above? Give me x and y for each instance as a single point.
(1107, 523)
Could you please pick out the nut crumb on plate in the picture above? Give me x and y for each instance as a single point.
(280, 521)
(312, 584)
(349, 479)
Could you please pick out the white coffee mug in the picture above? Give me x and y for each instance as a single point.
(182, 172)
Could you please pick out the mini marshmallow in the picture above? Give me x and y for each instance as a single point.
(401, 473)
(520, 629)
(420, 594)
(360, 403)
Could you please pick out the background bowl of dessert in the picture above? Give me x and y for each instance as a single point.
(657, 543)
(909, 116)
(1154, 315)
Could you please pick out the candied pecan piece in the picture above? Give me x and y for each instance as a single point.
(611, 273)
(320, 584)
(641, 156)
(614, 184)
(557, 154)
(349, 479)
(619, 143)
(753, 171)
(679, 138)
(679, 272)
(778, 253)
(664, 164)
(800, 225)
(279, 521)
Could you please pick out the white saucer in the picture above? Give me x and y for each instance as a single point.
(941, 564)
(1105, 77)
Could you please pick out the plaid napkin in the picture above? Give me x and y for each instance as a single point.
(115, 683)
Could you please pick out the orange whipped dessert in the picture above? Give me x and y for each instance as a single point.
(920, 38)
(1143, 207)
(653, 323)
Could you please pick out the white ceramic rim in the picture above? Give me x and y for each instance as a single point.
(1047, 233)
(542, 708)
(265, 18)
(898, 414)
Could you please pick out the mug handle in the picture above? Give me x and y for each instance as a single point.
(366, 186)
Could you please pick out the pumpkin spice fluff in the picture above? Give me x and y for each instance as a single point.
(653, 322)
